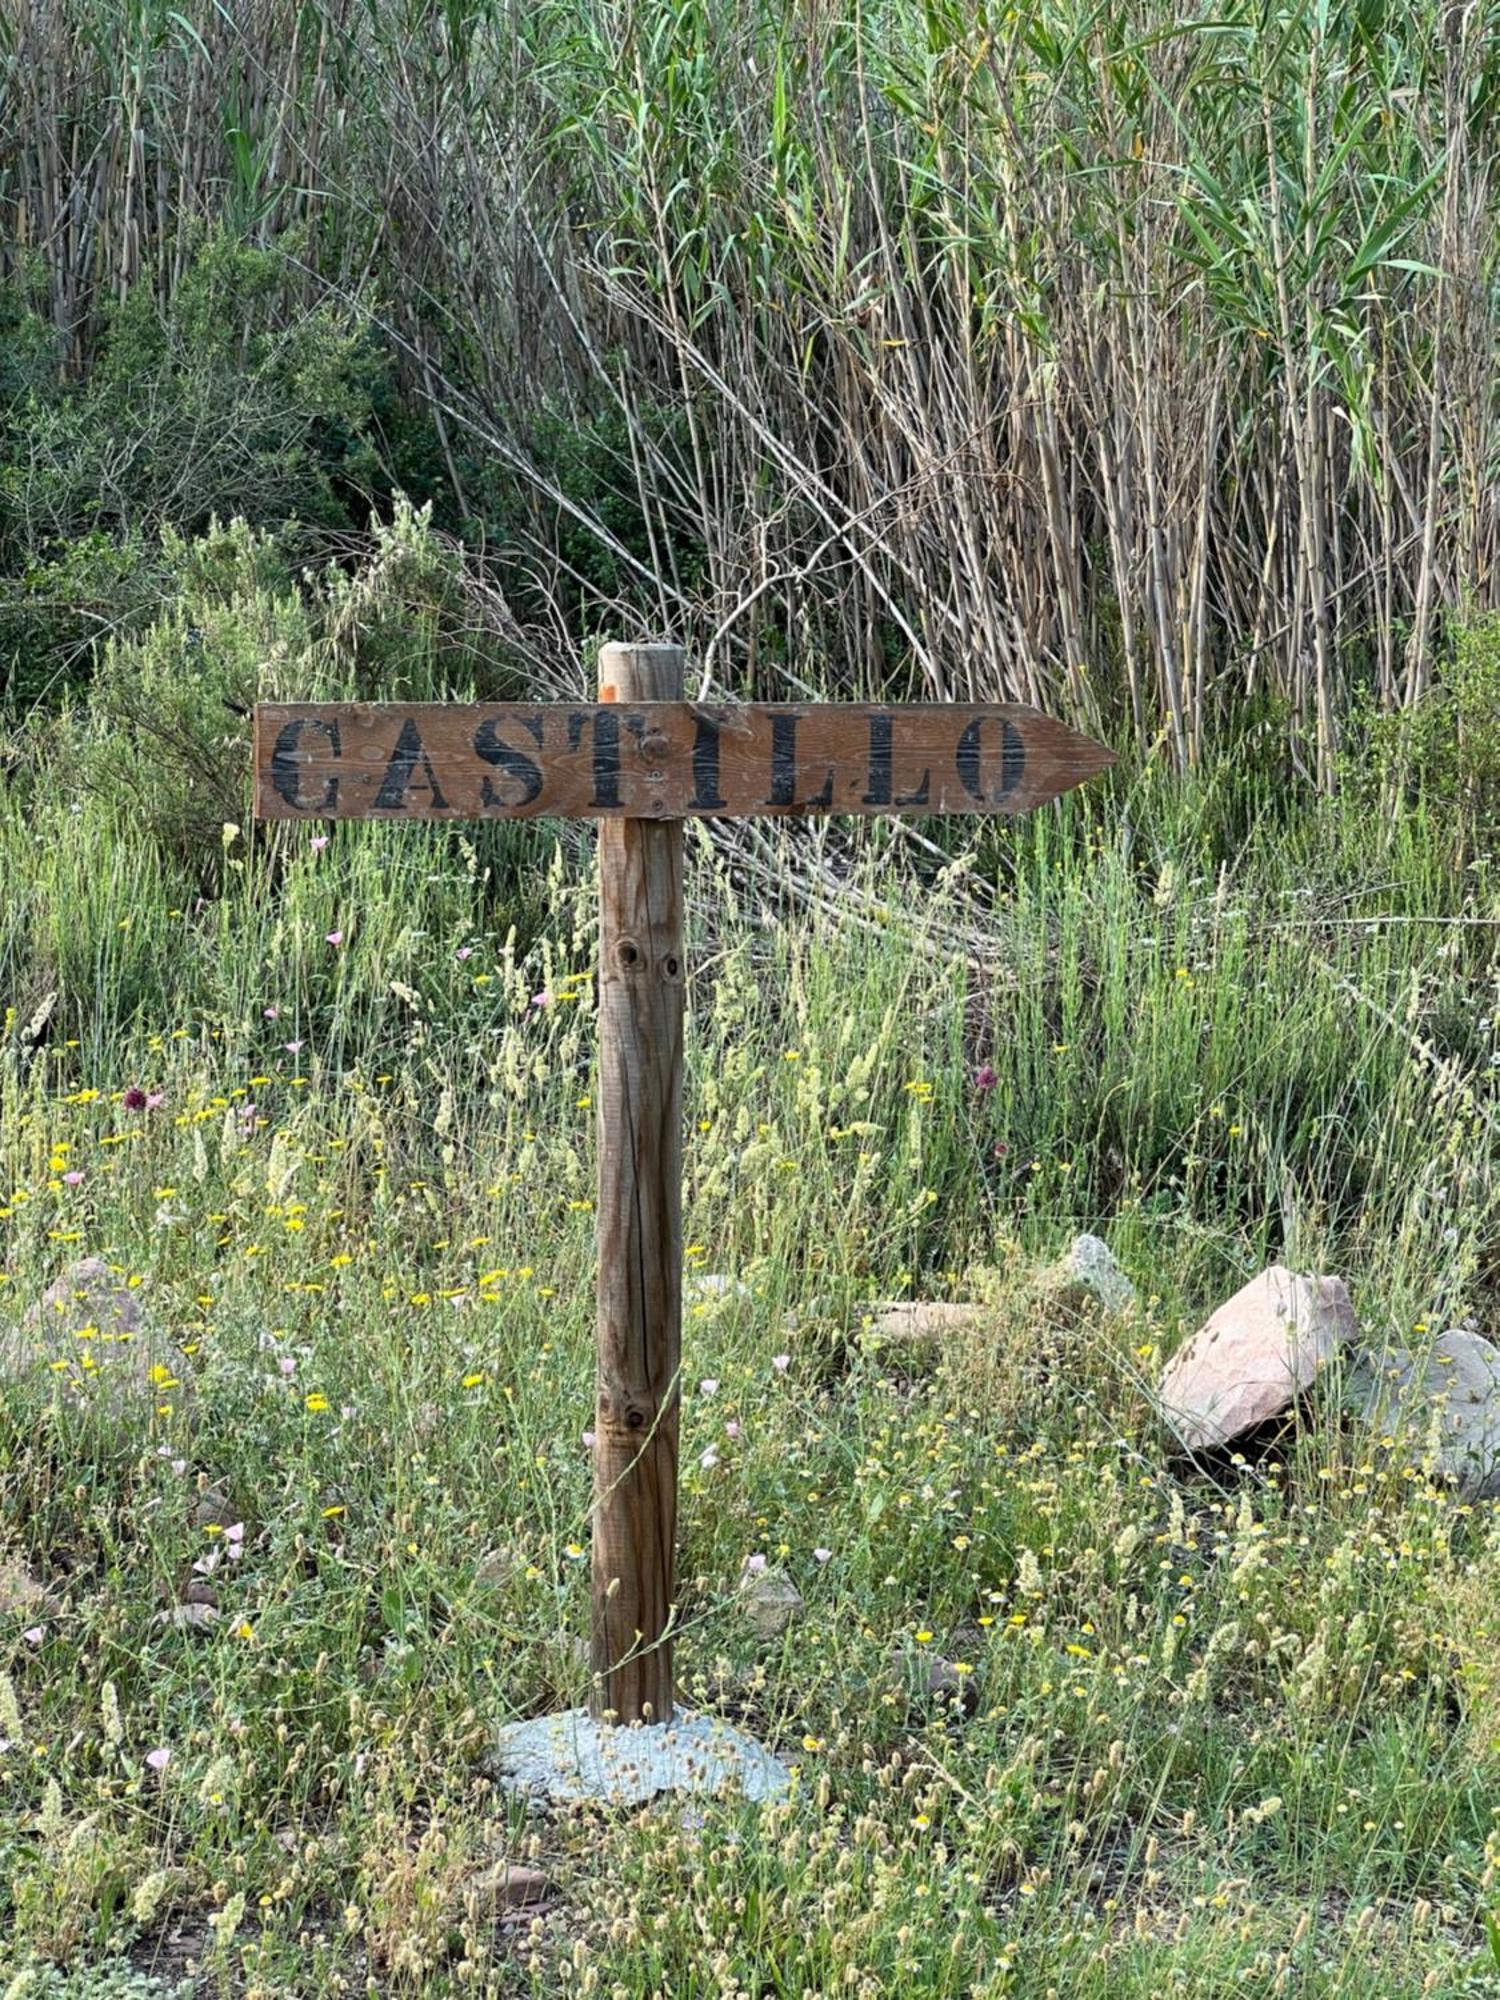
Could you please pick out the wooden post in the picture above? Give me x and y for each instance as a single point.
(639, 1328)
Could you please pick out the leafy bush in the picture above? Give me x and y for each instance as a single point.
(164, 741)
(231, 402)
(162, 744)
(114, 1980)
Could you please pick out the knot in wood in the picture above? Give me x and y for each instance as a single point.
(618, 1413)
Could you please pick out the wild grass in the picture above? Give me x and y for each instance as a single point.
(1217, 1731)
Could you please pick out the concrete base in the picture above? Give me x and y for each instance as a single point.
(565, 1759)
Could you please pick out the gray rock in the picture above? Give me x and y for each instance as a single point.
(1090, 1272)
(90, 1333)
(932, 1675)
(570, 1757)
(215, 1508)
(1254, 1356)
(772, 1601)
(1445, 1402)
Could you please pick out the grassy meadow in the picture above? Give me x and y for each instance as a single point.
(1215, 1731)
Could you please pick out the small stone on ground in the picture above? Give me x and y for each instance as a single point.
(921, 1320)
(89, 1333)
(508, 1886)
(772, 1601)
(1089, 1271)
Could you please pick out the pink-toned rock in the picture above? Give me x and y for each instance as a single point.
(1254, 1356)
(921, 1319)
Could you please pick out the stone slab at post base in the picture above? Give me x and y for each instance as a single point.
(572, 1758)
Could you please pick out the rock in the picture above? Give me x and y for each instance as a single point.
(197, 1619)
(1089, 1273)
(561, 1759)
(215, 1508)
(21, 1596)
(940, 1676)
(507, 1886)
(1446, 1401)
(921, 1320)
(1254, 1356)
(930, 1672)
(497, 1569)
(772, 1601)
(89, 1332)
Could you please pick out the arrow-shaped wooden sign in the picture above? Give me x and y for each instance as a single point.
(641, 760)
(658, 760)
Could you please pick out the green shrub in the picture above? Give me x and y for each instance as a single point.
(228, 403)
(1444, 753)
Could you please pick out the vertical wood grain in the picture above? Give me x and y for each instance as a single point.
(639, 1331)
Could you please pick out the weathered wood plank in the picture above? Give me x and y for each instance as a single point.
(635, 758)
(639, 1314)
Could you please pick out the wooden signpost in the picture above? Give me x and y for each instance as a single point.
(641, 760)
